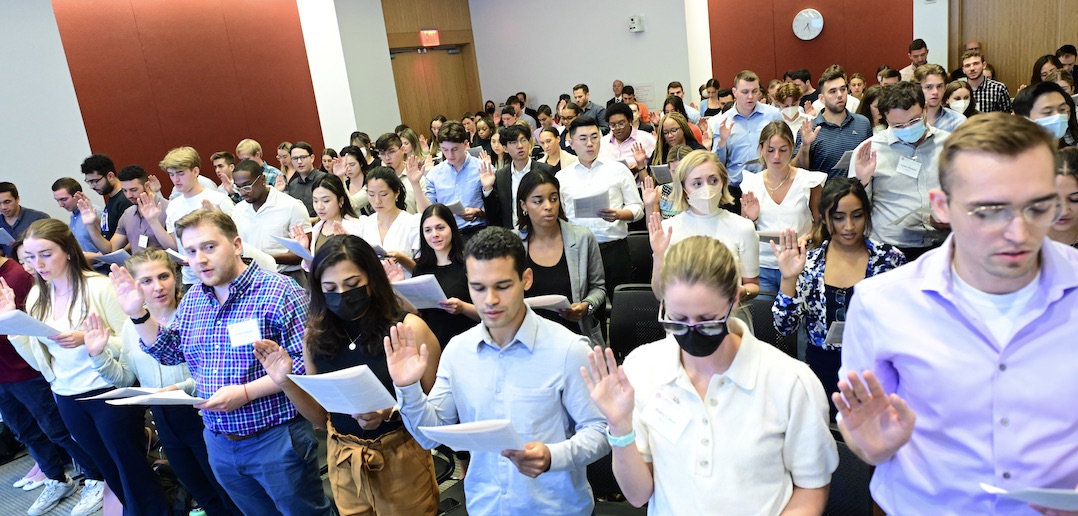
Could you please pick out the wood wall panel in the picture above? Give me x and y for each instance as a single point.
(204, 73)
(758, 36)
(1014, 34)
(412, 15)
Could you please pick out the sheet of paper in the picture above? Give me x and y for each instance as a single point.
(492, 435)
(662, 174)
(844, 161)
(474, 151)
(123, 392)
(548, 302)
(18, 322)
(588, 207)
(158, 398)
(1058, 499)
(349, 391)
(244, 333)
(294, 246)
(834, 333)
(913, 218)
(456, 207)
(768, 236)
(118, 257)
(5, 237)
(422, 291)
(177, 257)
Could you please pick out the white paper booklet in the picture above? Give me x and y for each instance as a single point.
(662, 174)
(122, 392)
(349, 391)
(548, 302)
(158, 398)
(119, 257)
(294, 246)
(455, 207)
(493, 435)
(588, 207)
(18, 322)
(1058, 499)
(422, 291)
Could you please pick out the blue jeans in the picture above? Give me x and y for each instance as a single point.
(30, 411)
(181, 429)
(115, 438)
(770, 281)
(274, 472)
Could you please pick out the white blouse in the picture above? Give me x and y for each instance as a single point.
(403, 234)
(736, 233)
(793, 213)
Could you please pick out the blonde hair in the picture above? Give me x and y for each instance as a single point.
(417, 150)
(660, 141)
(150, 255)
(181, 158)
(695, 159)
(700, 260)
(248, 146)
(77, 268)
(922, 72)
(213, 216)
(772, 129)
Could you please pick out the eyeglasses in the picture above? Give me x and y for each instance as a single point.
(840, 299)
(709, 328)
(671, 132)
(911, 123)
(619, 125)
(1040, 214)
(248, 187)
(519, 143)
(300, 158)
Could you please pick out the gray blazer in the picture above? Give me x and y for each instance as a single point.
(586, 275)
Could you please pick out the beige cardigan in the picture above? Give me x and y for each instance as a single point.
(102, 300)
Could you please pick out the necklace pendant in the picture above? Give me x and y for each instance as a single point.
(351, 346)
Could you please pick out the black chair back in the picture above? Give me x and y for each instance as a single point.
(763, 327)
(849, 494)
(640, 256)
(634, 315)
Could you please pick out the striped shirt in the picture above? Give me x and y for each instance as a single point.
(833, 141)
(199, 336)
(992, 96)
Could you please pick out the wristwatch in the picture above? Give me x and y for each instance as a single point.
(140, 320)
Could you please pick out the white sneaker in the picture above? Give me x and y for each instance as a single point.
(93, 498)
(55, 491)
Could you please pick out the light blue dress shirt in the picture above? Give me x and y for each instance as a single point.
(743, 148)
(447, 185)
(535, 382)
(82, 235)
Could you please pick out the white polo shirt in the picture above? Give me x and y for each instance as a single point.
(760, 430)
(276, 218)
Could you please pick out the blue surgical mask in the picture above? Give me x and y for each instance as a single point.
(1055, 124)
(910, 134)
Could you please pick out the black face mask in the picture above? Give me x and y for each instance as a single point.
(699, 345)
(349, 305)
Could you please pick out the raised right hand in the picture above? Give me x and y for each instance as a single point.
(280, 182)
(274, 359)
(147, 207)
(7, 298)
(659, 238)
(486, 175)
(877, 423)
(96, 335)
(750, 206)
(297, 233)
(87, 212)
(155, 184)
(648, 193)
(131, 298)
(726, 127)
(406, 359)
(808, 134)
(610, 390)
(790, 253)
(865, 163)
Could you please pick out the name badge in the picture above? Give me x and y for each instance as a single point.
(244, 333)
(143, 241)
(666, 416)
(834, 333)
(908, 167)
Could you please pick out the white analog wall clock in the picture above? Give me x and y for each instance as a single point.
(808, 24)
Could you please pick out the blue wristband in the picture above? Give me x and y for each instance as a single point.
(621, 441)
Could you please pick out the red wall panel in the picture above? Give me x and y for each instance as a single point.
(758, 36)
(153, 75)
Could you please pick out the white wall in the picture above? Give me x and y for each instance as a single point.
(370, 72)
(40, 121)
(930, 23)
(698, 44)
(322, 39)
(544, 48)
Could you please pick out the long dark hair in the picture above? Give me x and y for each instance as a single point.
(427, 257)
(1035, 76)
(833, 191)
(336, 187)
(326, 333)
(392, 181)
(867, 97)
(530, 182)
